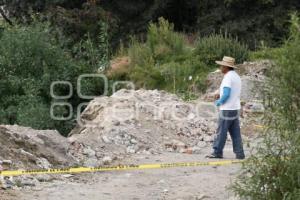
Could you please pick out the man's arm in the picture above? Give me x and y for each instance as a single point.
(225, 96)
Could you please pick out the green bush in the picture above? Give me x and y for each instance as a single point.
(30, 60)
(140, 54)
(94, 53)
(274, 171)
(265, 53)
(215, 46)
(163, 40)
(166, 62)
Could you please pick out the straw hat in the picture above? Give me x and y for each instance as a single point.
(227, 61)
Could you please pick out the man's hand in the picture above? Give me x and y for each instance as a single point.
(218, 103)
(217, 96)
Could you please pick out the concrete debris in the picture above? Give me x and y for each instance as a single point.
(6, 162)
(254, 107)
(23, 148)
(43, 163)
(67, 175)
(107, 160)
(201, 197)
(201, 144)
(6, 183)
(130, 122)
(91, 162)
(44, 178)
(106, 139)
(89, 152)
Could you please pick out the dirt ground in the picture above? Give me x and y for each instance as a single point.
(189, 183)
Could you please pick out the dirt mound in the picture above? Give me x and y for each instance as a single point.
(29, 148)
(142, 121)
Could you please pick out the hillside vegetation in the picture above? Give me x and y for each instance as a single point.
(252, 21)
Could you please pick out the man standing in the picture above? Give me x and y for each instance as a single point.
(229, 103)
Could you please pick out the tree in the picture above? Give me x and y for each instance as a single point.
(250, 20)
(31, 59)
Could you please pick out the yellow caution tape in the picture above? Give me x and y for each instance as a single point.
(117, 168)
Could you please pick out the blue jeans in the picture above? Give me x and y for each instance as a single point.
(229, 122)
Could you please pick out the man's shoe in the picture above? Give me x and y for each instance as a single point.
(240, 157)
(213, 156)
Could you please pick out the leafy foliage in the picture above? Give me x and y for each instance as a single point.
(94, 53)
(274, 171)
(30, 60)
(214, 47)
(252, 21)
(165, 62)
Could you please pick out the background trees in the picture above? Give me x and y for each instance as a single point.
(30, 60)
(252, 21)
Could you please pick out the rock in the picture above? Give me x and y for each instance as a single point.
(106, 139)
(67, 175)
(89, 152)
(133, 141)
(6, 162)
(196, 150)
(6, 182)
(44, 178)
(29, 183)
(131, 149)
(43, 163)
(107, 160)
(201, 144)
(207, 138)
(201, 197)
(116, 123)
(91, 162)
(178, 143)
(175, 145)
(254, 107)
(27, 154)
(191, 150)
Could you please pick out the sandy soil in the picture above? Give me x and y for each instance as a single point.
(190, 183)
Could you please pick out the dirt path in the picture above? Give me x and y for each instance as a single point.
(188, 183)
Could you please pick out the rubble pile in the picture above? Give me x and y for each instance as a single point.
(152, 121)
(142, 121)
(24, 147)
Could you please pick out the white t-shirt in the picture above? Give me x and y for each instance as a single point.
(232, 80)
